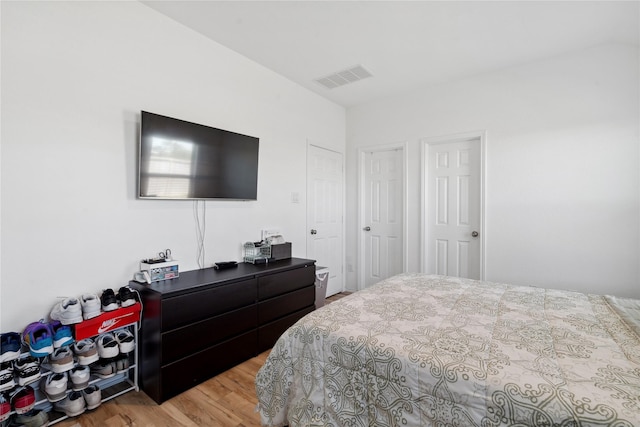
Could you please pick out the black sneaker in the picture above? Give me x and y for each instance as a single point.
(108, 300)
(127, 296)
(28, 370)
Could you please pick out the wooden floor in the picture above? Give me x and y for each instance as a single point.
(228, 399)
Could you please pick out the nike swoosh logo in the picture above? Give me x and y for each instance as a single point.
(112, 323)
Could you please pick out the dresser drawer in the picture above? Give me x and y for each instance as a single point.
(190, 339)
(269, 333)
(283, 305)
(193, 307)
(190, 371)
(277, 284)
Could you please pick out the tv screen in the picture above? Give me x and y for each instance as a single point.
(180, 160)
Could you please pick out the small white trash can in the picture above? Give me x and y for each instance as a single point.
(322, 277)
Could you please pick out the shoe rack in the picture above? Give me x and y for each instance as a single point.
(110, 388)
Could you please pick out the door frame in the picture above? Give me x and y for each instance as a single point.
(424, 238)
(342, 213)
(362, 151)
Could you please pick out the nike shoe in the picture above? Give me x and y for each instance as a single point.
(39, 338)
(68, 311)
(86, 351)
(24, 400)
(61, 360)
(125, 340)
(28, 370)
(127, 296)
(107, 346)
(108, 300)
(90, 306)
(61, 334)
(72, 405)
(7, 381)
(9, 346)
(55, 387)
(80, 376)
(92, 396)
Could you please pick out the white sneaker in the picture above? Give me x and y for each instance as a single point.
(61, 360)
(92, 396)
(55, 387)
(90, 306)
(107, 346)
(72, 405)
(80, 376)
(68, 311)
(125, 340)
(104, 369)
(86, 351)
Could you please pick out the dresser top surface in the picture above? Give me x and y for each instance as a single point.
(189, 281)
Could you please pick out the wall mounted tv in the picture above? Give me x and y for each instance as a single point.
(180, 160)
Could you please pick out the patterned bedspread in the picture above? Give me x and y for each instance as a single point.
(417, 350)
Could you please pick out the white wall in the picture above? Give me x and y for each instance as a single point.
(75, 76)
(562, 162)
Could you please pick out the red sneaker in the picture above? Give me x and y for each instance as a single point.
(24, 400)
(5, 407)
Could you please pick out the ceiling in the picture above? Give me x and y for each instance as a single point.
(406, 45)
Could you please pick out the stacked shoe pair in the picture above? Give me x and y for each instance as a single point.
(55, 386)
(27, 370)
(73, 310)
(42, 338)
(76, 402)
(23, 401)
(126, 297)
(112, 350)
(107, 355)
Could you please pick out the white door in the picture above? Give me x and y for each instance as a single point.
(324, 213)
(382, 224)
(453, 241)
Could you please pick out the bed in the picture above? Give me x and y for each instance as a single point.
(424, 350)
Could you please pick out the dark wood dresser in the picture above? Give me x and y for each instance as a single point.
(207, 321)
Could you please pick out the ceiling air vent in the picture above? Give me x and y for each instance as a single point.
(342, 78)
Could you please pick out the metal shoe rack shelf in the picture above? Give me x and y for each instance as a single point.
(110, 388)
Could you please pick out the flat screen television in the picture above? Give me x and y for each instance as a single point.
(180, 160)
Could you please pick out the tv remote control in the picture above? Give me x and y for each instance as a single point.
(220, 265)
